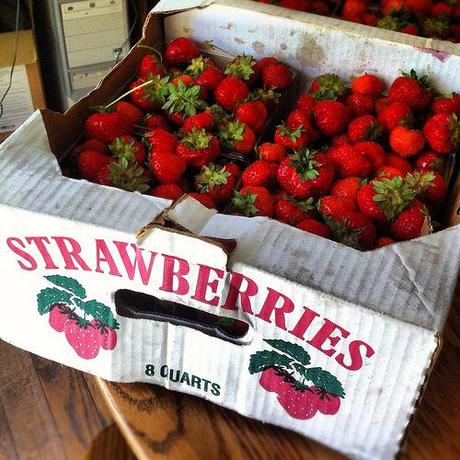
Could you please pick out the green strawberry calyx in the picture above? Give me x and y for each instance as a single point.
(245, 203)
(196, 66)
(121, 148)
(241, 66)
(330, 87)
(304, 163)
(389, 23)
(184, 99)
(342, 233)
(128, 176)
(454, 129)
(156, 89)
(306, 205)
(292, 134)
(212, 176)
(423, 80)
(419, 181)
(267, 95)
(197, 139)
(232, 132)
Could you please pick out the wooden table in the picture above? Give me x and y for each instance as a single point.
(162, 424)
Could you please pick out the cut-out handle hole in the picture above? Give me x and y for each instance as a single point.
(131, 304)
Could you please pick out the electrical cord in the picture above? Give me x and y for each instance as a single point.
(18, 9)
(131, 30)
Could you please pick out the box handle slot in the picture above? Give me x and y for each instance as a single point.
(137, 305)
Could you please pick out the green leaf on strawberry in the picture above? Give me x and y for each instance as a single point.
(264, 359)
(292, 349)
(184, 99)
(48, 297)
(70, 284)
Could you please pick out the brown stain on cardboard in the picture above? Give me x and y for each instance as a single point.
(229, 26)
(240, 41)
(188, 30)
(283, 46)
(258, 47)
(252, 31)
(309, 52)
(292, 33)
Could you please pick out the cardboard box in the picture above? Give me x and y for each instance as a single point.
(26, 92)
(364, 326)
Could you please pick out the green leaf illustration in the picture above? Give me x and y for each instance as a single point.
(98, 311)
(262, 360)
(292, 349)
(48, 297)
(324, 380)
(70, 284)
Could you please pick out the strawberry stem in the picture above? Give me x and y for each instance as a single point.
(118, 99)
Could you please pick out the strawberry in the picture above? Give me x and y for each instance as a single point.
(124, 175)
(273, 153)
(210, 78)
(360, 104)
(383, 199)
(438, 27)
(252, 113)
(354, 10)
(348, 162)
(198, 65)
(198, 148)
(238, 137)
(320, 7)
(399, 163)
(412, 90)
(167, 168)
(313, 226)
(128, 147)
(153, 121)
(335, 206)
(353, 229)
(364, 128)
(384, 241)
(90, 162)
(150, 95)
(411, 222)
(177, 118)
(419, 6)
(406, 142)
(331, 117)
(129, 111)
(167, 191)
(292, 211)
(428, 185)
(305, 173)
(277, 76)
(218, 181)
(260, 172)
(373, 152)
(327, 86)
(83, 338)
(430, 161)
(59, 315)
(204, 199)
(230, 91)
(202, 120)
(306, 102)
(181, 51)
(347, 187)
(368, 85)
(108, 338)
(186, 80)
(150, 66)
(397, 113)
(291, 138)
(161, 141)
(449, 105)
(441, 8)
(90, 144)
(442, 132)
(244, 67)
(253, 201)
(298, 118)
(300, 5)
(183, 100)
(105, 127)
(340, 140)
(265, 61)
(411, 29)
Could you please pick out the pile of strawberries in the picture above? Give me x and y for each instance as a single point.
(426, 18)
(352, 165)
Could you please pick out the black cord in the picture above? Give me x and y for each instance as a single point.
(131, 30)
(18, 9)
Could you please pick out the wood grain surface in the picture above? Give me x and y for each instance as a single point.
(162, 424)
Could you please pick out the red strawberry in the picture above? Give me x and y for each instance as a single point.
(354, 10)
(360, 104)
(335, 206)
(353, 229)
(123, 174)
(331, 117)
(161, 141)
(108, 339)
(447, 105)
(129, 111)
(204, 199)
(411, 222)
(442, 132)
(381, 104)
(411, 29)
(244, 67)
(210, 78)
(252, 113)
(199, 121)
(347, 188)
(198, 148)
(167, 168)
(340, 140)
(153, 121)
(292, 211)
(128, 147)
(300, 5)
(428, 185)
(348, 162)
(373, 152)
(419, 6)
(59, 315)
(364, 128)
(277, 76)
(105, 127)
(411, 89)
(406, 142)
(218, 181)
(384, 241)
(150, 95)
(260, 172)
(291, 138)
(315, 227)
(91, 144)
(266, 61)
(181, 51)
(230, 91)
(399, 163)
(253, 201)
(430, 161)
(198, 65)
(367, 84)
(84, 339)
(150, 66)
(90, 162)
(273, 153)
(306, 102)
(394, 114)
(327, 86)
(185, 78)
(298, 118)
(168, 191)
(389, 172)
(238, 136)
(305, 173)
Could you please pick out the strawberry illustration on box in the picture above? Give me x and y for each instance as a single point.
(65, 303)
(285, 372)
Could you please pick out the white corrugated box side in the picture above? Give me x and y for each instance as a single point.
(369, 319)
